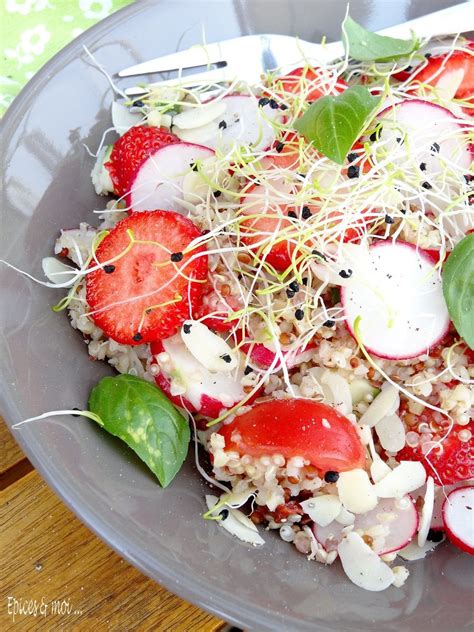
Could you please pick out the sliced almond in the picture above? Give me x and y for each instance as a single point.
(356, 492)
(236, 523)
(386, 403)
(405, 478)
(362, 566)
(391, 433)
(322, 509)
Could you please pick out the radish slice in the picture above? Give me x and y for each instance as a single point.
(458, 518)
(159, 182)
(399, 301)
(190, 384)
(418, 132)
(262, 355)
(391, 525)
(243, 122)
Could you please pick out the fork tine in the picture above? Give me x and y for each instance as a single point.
(194, 56)
(215, 76)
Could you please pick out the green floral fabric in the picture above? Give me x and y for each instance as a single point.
(32, 31)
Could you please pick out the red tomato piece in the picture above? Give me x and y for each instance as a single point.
(297, 427)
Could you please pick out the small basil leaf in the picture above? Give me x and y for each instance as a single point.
(333, 124)
(458, 288)
(363, 45)
(137, 412)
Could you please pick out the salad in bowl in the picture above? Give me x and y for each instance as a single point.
(283, 273)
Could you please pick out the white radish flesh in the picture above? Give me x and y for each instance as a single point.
(159, 181)
(243, 122)
(362, 566)
(195, 117)
(208, 348)
(458, 518)
(398, 518)
(399, 304)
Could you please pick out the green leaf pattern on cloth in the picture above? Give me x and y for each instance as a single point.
(32, 31)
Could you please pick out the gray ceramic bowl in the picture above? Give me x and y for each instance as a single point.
(45, 366)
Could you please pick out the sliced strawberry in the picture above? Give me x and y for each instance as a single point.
(131, 150)
(454, 463)
(297, 427)
(144, 291)
(312, 82)
(440, 66)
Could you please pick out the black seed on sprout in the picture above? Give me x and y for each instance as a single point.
(217, 194)
(427, 55)
(273, 104)
(109, 268)
(226, 357)
(74, 414)
(426, 185)
(176, 256)
(305, 280)
(299, 314)
(263, 101)
(224, 514)
(290, 293)
(329, 323)
(247, 370)
(389, 219)
(331, 477)
(294, 286)
(435, 148)
(434, 536)
(316, 253)
(292, 214)
(408, 68)
(353, 171)
(139, 104)
(187, 328)
(351, 157)
(137, 337)
(345, 274)
(306, 212)
(422, 166)
(283, 106)
(301, 175)
(279, 146)
(222, 125)
(193, 166)
(399, 140)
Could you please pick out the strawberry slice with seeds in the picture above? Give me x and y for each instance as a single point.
(151, 279)
(439, 67)
(312, 82)
(130, 152)
(449, 463)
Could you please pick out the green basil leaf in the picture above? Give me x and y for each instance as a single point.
(333, 124)
(363, 45)
(458, 288)
(139, 413)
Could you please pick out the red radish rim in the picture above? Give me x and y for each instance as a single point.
(461, 544)
(441, 337)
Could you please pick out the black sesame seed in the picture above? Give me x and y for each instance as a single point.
(193, 166)
(247, 370)
(408, 68)
(306, 212)
(428, 55)
(305, 280)
(373, 137)
(222, 125)
(187, 328)
(426, 185)
(279, 146)
(224, 514)
(351, 157)
(345, 274)
(353, 171)
(294, 286)
(263, 101)
(318, 254)
(137, 337)
(435, 148)
(74, 414)
(389, 219)
(226, 357)
(299, 314)
(290, 293)
(399, 140)
(283, 106)
(109, 268)
(331, 477)
(434, 536)
(292, 214)
(176, 256)
(329, 323)
(273, 104)
(217, 194)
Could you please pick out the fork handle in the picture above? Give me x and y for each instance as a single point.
(457, 19)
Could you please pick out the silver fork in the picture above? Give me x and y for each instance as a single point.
(247, 57)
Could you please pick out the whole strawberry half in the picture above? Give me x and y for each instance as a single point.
(151, 280)
(131, 150)
(451, 463)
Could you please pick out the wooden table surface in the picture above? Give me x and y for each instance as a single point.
(51, 561)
